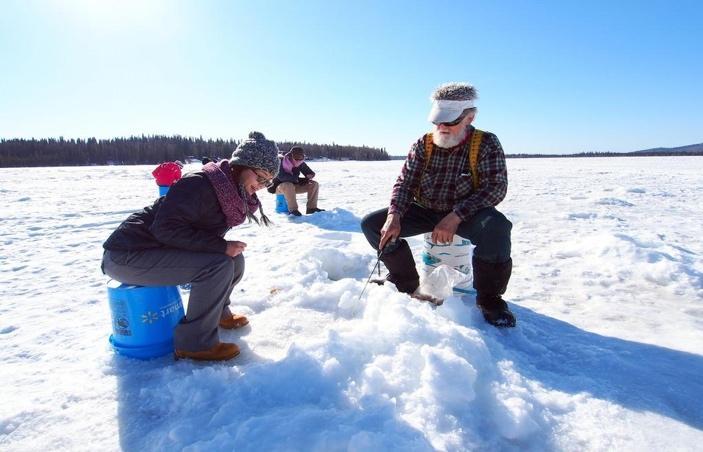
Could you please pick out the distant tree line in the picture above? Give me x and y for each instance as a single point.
(151, 150)
(661, 152)
(608, 154)
(336, 151)
(691, 149)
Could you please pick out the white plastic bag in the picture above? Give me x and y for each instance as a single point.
(441, 282)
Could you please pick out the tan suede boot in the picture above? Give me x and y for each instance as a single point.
(233, 322)
(220, 352)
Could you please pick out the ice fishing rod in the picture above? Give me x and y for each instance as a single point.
(377, 264)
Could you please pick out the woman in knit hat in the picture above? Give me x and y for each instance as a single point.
(180, 239)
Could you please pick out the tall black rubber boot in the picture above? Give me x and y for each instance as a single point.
(401, 268)
(490, 282)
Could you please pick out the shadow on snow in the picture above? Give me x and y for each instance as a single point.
(253, 404)
(334, 220)
(637, 376)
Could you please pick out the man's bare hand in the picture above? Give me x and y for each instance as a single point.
(235, 248)
(445, 229)
(390, 230)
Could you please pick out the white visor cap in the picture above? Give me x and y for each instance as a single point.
(448, 110)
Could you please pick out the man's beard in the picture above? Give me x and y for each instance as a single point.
(450, 140)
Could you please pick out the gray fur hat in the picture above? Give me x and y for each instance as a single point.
(455, 91)
(257, 152)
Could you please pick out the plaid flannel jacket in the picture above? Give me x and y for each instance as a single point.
(445, 184)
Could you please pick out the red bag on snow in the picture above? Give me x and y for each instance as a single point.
(167, 174)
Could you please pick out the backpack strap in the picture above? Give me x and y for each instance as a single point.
(428, 150)
(474, 147)
(473, 156)
(428, 155)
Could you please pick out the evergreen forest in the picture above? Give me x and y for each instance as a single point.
(152, 150)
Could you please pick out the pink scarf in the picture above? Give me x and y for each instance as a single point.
(289, 163)
(236, 204)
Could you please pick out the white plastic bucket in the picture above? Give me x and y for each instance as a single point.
(456, 255)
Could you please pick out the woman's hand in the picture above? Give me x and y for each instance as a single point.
(235, 248)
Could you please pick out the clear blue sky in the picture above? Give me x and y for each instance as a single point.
(553, 77)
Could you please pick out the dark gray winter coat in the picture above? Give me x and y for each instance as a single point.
(188, 218)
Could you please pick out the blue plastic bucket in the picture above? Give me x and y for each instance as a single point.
(143, 319)
(163, 189)
(281, 204)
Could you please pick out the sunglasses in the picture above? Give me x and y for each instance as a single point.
(453, 123)
(265, 181)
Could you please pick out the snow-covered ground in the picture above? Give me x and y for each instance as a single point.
(607, 353)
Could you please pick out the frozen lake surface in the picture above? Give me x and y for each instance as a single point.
(607, 353)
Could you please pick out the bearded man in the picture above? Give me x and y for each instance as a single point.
(439, 191)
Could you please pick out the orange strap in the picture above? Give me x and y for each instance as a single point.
(473, 156)
(428, 150)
